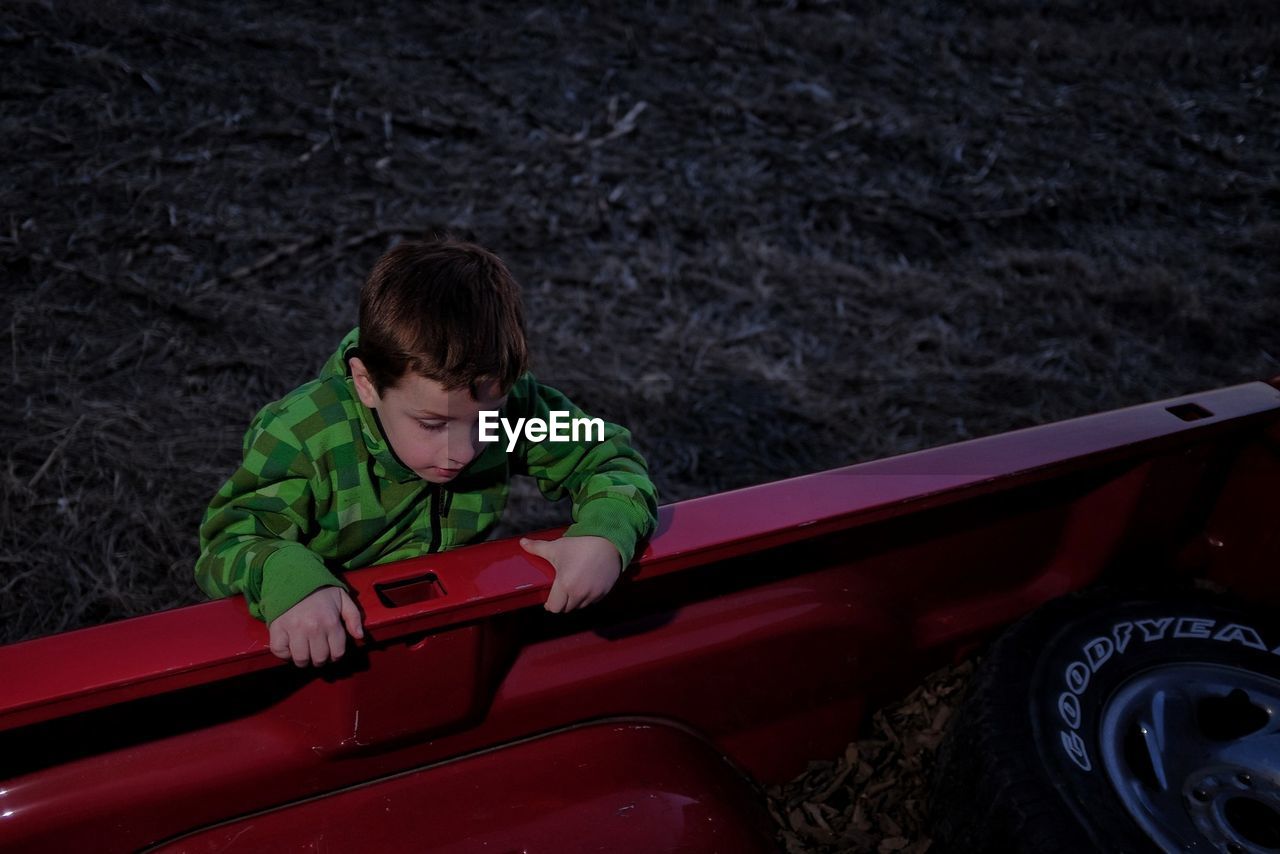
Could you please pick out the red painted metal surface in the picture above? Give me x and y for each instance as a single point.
(622, 787)
(766, 620)
(198, 644)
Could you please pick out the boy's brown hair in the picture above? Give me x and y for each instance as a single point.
(446, 310)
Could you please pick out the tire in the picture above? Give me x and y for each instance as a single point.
(1118, 722)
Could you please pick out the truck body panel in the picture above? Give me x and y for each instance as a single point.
(752, 634)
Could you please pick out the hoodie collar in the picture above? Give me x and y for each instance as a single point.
(386, 464)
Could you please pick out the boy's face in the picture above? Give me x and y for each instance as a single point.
(434, 432)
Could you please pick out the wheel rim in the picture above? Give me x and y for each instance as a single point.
(1193, 751)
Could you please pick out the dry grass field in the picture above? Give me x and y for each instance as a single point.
(769, 238)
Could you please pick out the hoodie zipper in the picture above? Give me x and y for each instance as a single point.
(435, 519)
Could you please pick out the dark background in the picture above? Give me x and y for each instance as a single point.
(770, 239)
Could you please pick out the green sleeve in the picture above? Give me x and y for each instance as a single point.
(607, 479)
(252, 536)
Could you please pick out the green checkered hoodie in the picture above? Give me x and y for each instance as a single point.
(321, 491)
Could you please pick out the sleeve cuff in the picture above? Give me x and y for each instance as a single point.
(612, 520)
(289, 576)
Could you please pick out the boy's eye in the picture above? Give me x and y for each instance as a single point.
(431, 426)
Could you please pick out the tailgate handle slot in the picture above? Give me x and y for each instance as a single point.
(410, 591)
(1189, 411)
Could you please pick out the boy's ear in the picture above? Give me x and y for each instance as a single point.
(364, 383)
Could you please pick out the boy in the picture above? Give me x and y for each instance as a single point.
(379, 459)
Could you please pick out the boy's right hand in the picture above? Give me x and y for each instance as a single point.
(314, 631)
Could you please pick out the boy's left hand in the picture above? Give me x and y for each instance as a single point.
(586, 569)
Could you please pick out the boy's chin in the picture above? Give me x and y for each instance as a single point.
(433, 474)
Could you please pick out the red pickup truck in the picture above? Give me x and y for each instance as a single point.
(754, 633)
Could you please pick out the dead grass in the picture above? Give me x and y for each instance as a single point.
(770, 240)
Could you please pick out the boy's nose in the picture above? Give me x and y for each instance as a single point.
(461, 453)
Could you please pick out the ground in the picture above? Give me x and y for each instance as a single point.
(768, 238)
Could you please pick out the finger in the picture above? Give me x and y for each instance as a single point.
(541, 548)
(575, 601)
(556, 599)
(337, 640)
(319, 648)
(589, 599)
(279, 641)
(300, 650)
(351, 617)
(594, 596)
